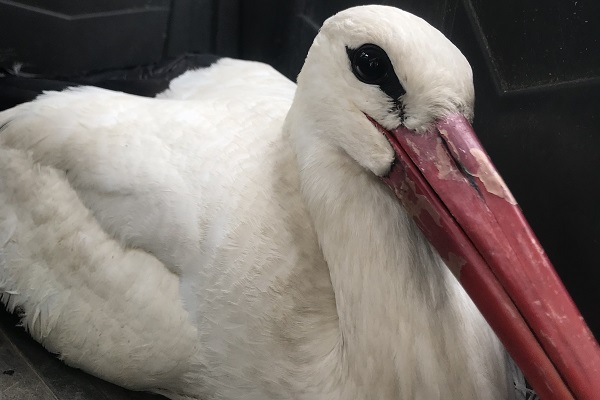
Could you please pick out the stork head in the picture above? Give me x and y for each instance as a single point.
(386, 64)
(392, 93)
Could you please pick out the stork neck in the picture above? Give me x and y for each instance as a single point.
(386, 278)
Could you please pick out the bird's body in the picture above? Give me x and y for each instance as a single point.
(212, 244)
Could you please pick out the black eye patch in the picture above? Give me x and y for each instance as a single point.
(371, 65)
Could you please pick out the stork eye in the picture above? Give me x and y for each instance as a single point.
(370, 64)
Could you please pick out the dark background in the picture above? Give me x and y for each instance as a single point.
(536, 65)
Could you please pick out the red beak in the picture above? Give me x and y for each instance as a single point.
(447, 182)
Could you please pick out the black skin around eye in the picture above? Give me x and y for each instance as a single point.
(371, 65)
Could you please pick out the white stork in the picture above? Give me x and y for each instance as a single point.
(243, 238)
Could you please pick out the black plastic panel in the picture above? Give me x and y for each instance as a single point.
(44, 41)
(87, 7)
(190, 28)
(540, 42)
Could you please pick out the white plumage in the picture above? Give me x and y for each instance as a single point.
(232, 239)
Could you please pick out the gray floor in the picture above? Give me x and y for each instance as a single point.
(28, 371)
